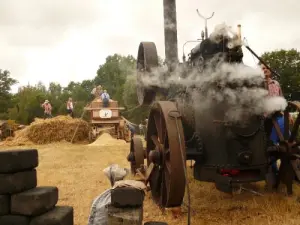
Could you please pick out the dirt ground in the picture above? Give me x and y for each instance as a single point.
(77, 170)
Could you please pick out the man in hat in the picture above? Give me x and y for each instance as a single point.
(47, 109)
(97, 91)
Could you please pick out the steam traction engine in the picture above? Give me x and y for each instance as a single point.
(225, 154)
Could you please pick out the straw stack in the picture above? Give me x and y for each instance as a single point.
(60, 128)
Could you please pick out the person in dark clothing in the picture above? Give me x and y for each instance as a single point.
(274, 90)
(131, 128)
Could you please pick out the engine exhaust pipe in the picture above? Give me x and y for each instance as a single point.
(239, 32)
(170, 30)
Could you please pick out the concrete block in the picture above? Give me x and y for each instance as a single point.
(127, 197)
(4, 205)
(14, 220)
(17, 182)
(60, 215)
(12, 161)
(35, 201)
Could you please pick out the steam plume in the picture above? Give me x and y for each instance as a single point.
(232, 92)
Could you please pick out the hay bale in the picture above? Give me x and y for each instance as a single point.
(44, 131)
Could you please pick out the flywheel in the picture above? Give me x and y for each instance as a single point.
(166, 150)
(147, 59)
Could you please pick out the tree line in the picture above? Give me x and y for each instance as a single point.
(117, 76)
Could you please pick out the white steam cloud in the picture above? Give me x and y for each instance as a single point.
(235, 88)
(223, 30)
(225, 91)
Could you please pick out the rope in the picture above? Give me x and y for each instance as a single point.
(128, 121)
(133, 109)
(78, 123)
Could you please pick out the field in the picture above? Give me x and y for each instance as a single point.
(77, 170)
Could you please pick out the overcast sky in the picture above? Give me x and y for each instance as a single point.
(65, 40)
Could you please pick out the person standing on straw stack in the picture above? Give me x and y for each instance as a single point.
(47, 109)
(70, 107)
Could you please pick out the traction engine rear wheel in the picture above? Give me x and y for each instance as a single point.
(166, 149)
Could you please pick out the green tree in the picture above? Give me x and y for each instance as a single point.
(55, 89)
(6, 81)
(134, 111)
(113, 73)
(80, 95)
(287, 64)
(28, 102)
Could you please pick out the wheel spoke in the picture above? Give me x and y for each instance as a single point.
(163, 190)
(159, 127)
(155, 141)
(168, 166)
(155, 181)
(167, 180)
(295, 129)
(286, 124)
(166, 140)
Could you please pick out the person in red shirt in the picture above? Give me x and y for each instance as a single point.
(47, 109)
(274, 88)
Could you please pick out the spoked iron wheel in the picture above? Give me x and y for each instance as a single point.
(147, 59)
(288, 150)
(136, 155)
(166, 150)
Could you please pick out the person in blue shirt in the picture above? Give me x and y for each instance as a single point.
(275, 138)
(105, 98)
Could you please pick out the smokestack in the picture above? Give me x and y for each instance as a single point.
(170, 28)
(239, 31)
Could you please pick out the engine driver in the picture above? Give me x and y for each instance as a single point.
(274, 89)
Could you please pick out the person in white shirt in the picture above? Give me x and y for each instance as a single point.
(70, 107)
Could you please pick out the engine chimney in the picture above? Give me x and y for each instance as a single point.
(170, 28)
(239, 31)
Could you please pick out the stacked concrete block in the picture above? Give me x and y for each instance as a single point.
(126, 206)
(21, 201)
